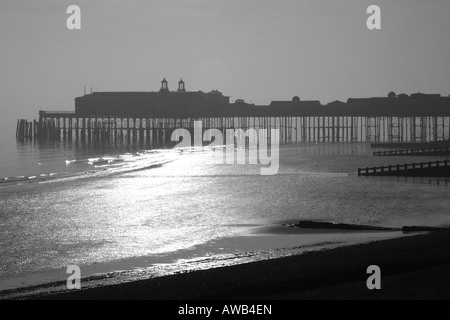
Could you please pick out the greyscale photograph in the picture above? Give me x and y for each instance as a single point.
(248, 152)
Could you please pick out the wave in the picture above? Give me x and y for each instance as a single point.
(104, 165)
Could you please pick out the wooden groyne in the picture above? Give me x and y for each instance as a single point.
(423, 169)
(430, 144)
(414, 152)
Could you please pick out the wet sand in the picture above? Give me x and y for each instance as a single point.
(416, 267)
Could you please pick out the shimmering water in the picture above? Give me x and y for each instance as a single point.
(75, 205)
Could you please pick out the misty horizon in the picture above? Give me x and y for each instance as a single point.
(256, 51)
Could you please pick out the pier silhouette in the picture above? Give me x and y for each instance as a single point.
(153, 116)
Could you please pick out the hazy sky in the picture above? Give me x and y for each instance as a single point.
(258, 50)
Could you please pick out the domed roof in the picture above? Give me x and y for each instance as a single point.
(392, 95)
(296, 99)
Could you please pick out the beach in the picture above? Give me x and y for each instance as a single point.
(131, 221)
(414, 267)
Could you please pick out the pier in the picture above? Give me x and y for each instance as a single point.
(427, 169)
(151, 117)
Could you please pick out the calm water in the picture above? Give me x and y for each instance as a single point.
(65, 204)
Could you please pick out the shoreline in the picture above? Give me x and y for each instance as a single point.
(415, 267)
(264, 243)
(419, 261)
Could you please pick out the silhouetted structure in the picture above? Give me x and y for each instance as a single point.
(113, 116)
(199, 104)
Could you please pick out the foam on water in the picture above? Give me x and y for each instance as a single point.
(128, 162)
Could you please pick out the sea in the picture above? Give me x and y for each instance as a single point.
(131, 211)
